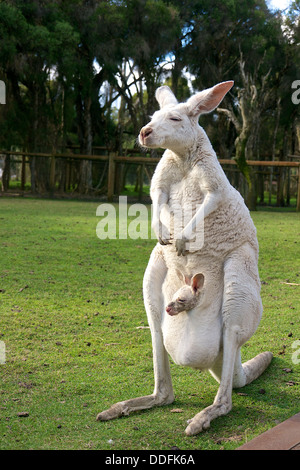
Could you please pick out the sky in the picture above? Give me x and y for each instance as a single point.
(278, 4)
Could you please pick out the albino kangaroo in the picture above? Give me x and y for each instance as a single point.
(187, 297)
(209, 337)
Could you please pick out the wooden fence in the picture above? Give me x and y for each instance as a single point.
(112, 160)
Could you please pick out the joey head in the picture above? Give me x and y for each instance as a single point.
(188, 296)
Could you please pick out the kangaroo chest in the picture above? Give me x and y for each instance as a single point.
(186, 190)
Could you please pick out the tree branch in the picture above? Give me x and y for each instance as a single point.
(231, 116)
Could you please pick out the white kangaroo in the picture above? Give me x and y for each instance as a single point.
(210, 336)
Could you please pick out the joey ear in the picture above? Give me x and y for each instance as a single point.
(207, 100)
(186, 279)
(165, 96)
(183, 277)
(197, 282)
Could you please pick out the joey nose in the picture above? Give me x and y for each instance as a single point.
(169, 308)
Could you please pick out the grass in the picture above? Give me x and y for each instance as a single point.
(71, 313)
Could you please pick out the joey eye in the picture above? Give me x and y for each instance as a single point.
(181, 300)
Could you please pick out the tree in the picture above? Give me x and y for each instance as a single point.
(253, 100)
(100, 27)
(245, 46)
(152, 29)
(34, 39)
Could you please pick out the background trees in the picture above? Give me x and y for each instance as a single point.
(85, 72)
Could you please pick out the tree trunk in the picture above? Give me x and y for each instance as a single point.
(252, 98)
(281, 171)
(85, 182)
(39, 166)
(278, 111)
(251, 199)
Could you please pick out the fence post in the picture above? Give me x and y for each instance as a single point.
(52, 174)
(23, 173)
(111, 177)
(68, 174)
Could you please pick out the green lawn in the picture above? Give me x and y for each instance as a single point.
(71, 312)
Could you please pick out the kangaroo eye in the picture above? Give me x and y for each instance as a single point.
(181, 300)
(175, 118)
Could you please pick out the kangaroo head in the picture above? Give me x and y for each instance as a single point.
(175, 126)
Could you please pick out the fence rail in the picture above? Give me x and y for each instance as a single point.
(113, 159)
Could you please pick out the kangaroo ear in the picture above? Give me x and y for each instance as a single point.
(165, 96)
(207, 100)
(197, 282)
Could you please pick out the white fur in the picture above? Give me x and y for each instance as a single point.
(210, 335)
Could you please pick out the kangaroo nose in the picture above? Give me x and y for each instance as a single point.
(145, 132)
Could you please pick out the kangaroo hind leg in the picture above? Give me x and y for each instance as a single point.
(154, 304)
